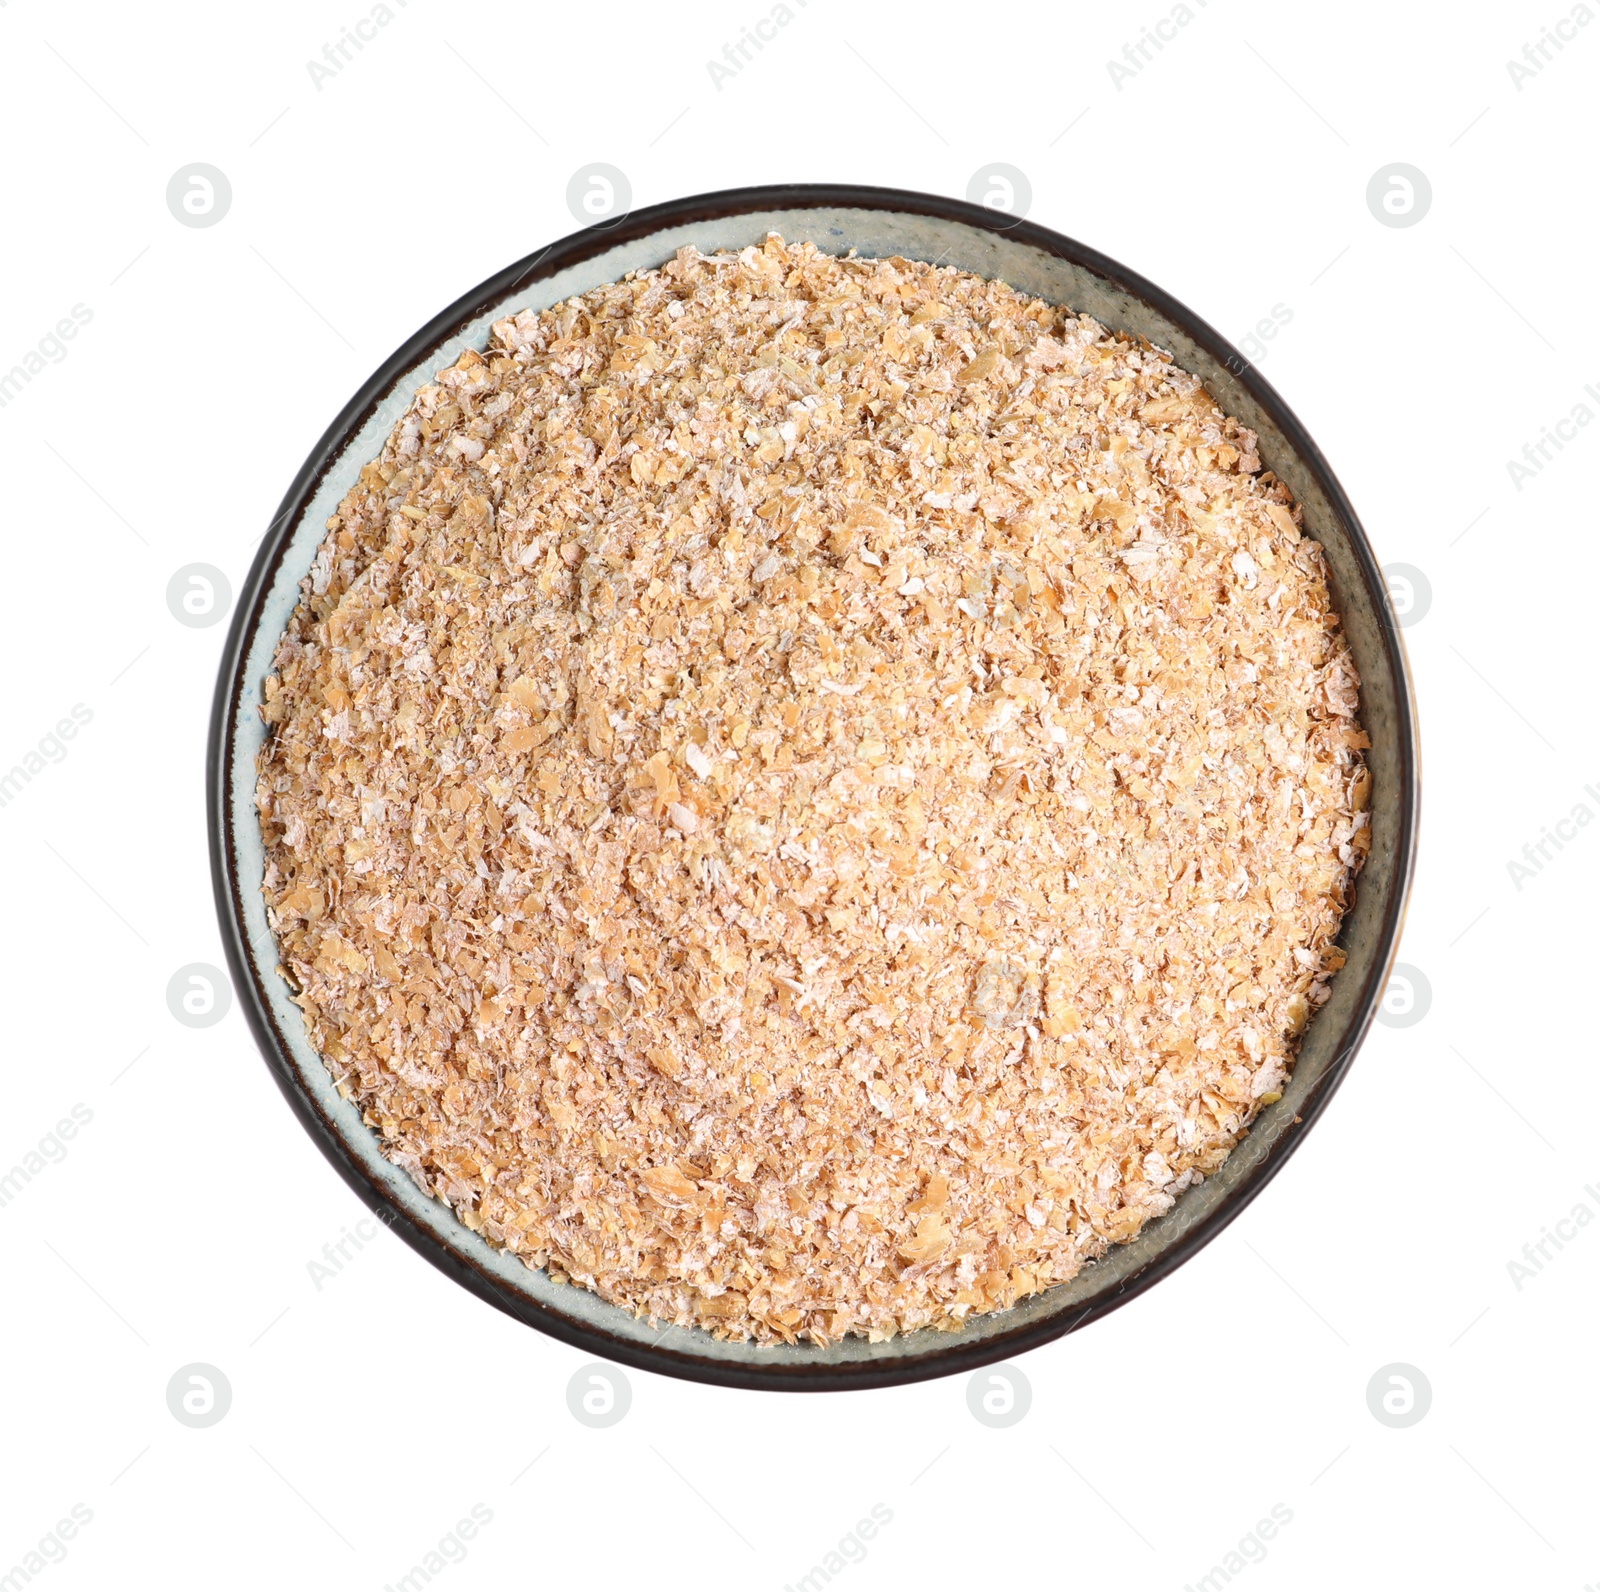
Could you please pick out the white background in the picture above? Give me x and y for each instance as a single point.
(369, 1416)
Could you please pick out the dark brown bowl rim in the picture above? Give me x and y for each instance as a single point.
(948, 1354)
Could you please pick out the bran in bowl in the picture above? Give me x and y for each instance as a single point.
(811, 795)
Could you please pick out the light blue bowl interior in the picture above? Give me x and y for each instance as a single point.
(1032, 271)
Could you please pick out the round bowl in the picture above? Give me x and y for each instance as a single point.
(874, 222)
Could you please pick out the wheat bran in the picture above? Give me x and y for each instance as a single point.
(809, 795)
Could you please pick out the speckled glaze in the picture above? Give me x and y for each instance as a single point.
(873, 222)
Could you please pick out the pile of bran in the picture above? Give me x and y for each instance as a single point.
(810, 795)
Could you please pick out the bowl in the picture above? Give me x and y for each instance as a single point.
(874, 222)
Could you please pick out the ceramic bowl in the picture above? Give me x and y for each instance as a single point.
(874, 222)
